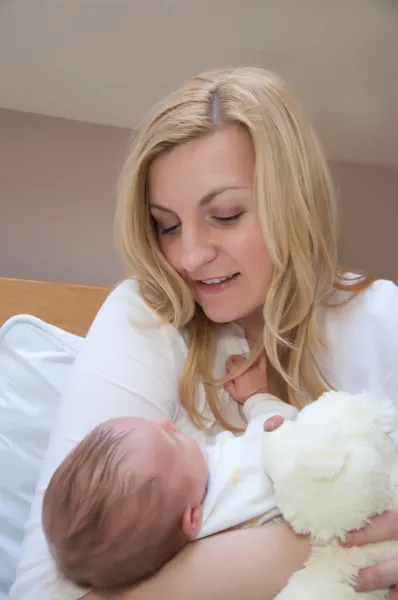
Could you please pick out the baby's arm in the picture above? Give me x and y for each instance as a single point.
(250, 390)
(264, 406)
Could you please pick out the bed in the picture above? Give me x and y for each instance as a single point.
(42, 329)
(69, 306)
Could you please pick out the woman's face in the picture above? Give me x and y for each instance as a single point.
(201, 198)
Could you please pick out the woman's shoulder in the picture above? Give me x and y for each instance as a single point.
(376, 310)
(126, 330)
(361, 332)
(125, 313)
(126, 300)
(363, 323)
(381, 299)
(376, 303)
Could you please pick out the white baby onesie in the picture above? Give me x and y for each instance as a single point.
(239, 491)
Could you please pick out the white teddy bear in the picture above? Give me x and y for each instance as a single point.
(334, 468)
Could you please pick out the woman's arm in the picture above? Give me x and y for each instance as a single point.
(122, 370)
(247, 564)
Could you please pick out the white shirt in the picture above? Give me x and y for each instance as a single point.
(123, 370)
(239, 491)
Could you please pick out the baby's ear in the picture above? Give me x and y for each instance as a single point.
(191, 520)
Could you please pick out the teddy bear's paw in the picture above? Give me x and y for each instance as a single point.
(326, 591)
(376, 595)
(305, 589)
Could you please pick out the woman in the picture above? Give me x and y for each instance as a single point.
(226, 218)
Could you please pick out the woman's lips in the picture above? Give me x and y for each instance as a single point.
(216, 288)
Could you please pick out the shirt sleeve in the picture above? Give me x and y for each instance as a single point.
(263, 406)
(124, 369)
(382, 313)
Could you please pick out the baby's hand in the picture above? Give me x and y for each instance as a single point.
(253, 381)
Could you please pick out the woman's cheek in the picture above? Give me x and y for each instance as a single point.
(170, 251)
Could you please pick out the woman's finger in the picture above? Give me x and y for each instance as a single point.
(378, 577)
(393, 594)
(381, 528)
(273, 423)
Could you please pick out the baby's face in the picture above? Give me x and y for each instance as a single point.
(185, 465)
(167, 453)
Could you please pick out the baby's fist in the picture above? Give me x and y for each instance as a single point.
(251, 382)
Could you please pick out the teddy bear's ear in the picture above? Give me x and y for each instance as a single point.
(325, 464)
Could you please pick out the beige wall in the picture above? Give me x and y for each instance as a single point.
(57, 195)
(368, 203)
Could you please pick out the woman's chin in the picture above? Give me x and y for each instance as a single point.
(245, 316)
(222, 316)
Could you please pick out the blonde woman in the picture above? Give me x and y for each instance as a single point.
(226, 219)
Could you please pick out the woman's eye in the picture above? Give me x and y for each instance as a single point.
(230, 219)
(222, 220)
(166, 230)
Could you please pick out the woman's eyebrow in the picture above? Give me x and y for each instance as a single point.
(159, 207)
(207, 198)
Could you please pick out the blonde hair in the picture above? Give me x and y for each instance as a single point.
(296, 208)
(106, 528)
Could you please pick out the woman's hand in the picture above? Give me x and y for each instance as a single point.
(384, 574)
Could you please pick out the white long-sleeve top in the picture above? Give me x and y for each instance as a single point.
(124, 370)
(239, 491)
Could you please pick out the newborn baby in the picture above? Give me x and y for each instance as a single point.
(134, 492)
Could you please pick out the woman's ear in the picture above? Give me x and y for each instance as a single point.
(191, 520)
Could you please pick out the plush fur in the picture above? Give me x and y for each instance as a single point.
(334, 468)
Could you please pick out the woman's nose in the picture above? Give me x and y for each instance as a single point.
(197, 250)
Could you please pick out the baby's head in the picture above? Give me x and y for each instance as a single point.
(125, 501)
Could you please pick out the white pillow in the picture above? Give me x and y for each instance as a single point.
(35, 363)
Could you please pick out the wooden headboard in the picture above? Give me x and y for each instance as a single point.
(69, 306)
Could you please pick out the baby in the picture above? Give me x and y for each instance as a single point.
(134, 492)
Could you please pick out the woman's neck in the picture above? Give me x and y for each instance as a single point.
(253, 326)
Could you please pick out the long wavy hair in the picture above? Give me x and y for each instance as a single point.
(296, 210)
